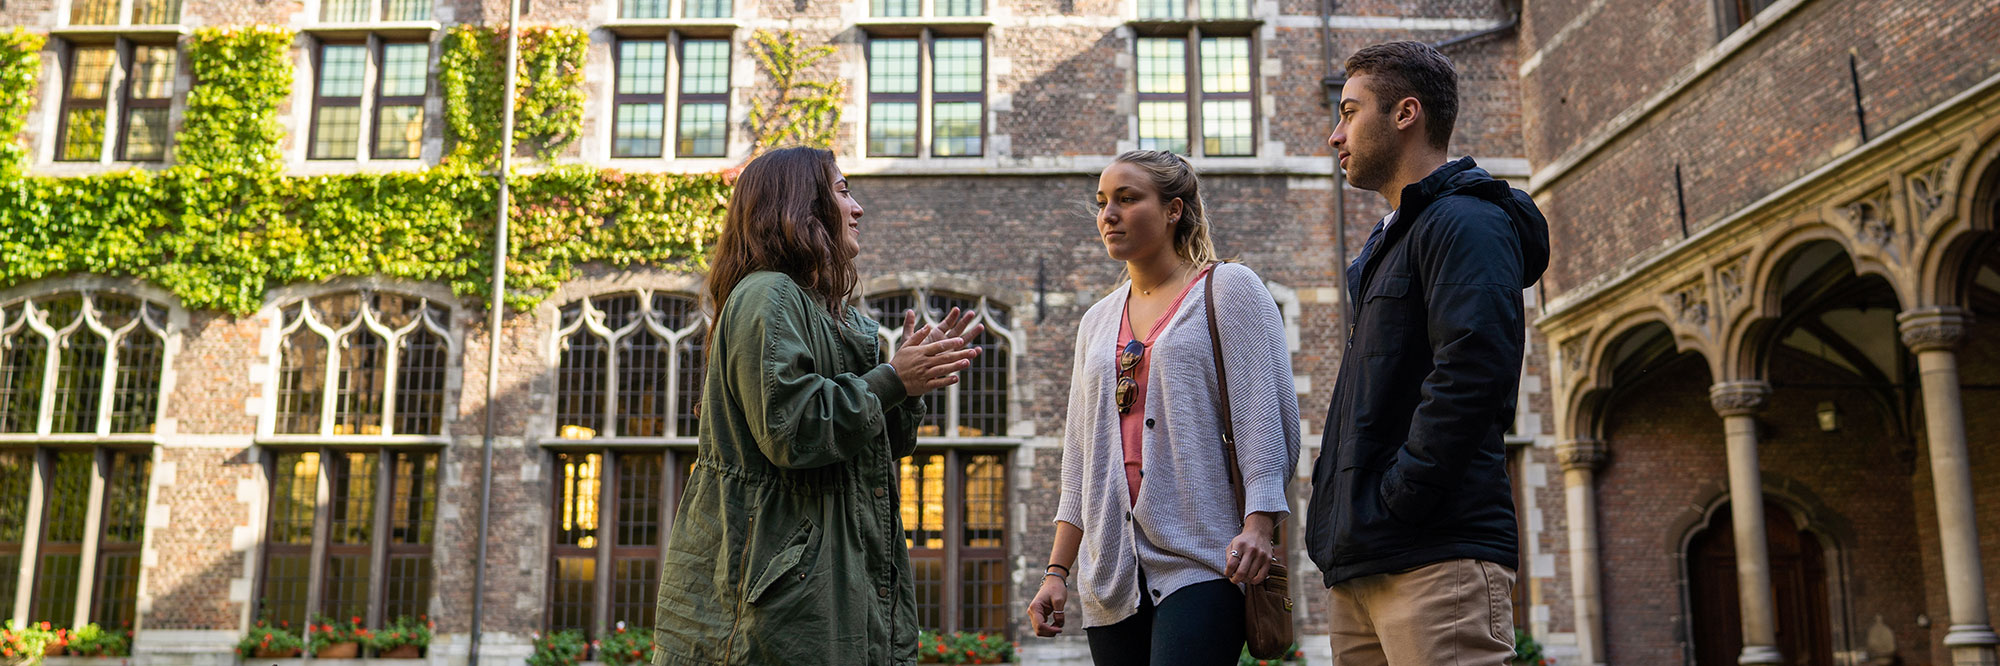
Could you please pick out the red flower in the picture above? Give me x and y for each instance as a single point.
(1300, 654)
(285, 623)
(355, 620)
(9, 652)
(635, 653)
(940, 648)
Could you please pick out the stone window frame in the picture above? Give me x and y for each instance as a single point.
(608, 590)
(676, 452)
(1192, 34)
(955, 451)
(118, 101)
(647, 320)
(43, 447)
(319, 548)
(926, 29)
(374, 45)
(95, 551)
(955, 547)
(945, 403)
(272, 346)
(673, 78)
(119, 12)
(1732, 15)
(158, 315)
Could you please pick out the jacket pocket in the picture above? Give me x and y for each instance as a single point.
(1395, 285)
(1363, 529)
(1384, 316)
(793, 562)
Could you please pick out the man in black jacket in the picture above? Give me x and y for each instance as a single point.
(1412, 517)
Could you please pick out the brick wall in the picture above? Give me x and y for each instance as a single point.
(1772, 112)
(196, 518)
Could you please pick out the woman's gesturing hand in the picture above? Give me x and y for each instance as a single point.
(931, 356)
(1251, 554)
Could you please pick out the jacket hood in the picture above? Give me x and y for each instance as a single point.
(1466, 178)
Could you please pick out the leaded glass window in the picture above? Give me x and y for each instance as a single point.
(81, 362)
(362, 363)
(628, 365)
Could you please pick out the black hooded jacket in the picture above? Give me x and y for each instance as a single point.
(1413, 466)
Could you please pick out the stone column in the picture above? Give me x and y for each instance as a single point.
(1934, 333)
(1580, 459)
(1738, 402)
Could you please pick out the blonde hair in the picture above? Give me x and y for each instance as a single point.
(1175, 179)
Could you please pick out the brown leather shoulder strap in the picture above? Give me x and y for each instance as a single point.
(1222, 385)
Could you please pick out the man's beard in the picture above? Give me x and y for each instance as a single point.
(1367, 173)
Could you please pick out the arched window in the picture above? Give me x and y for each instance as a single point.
(360, 404)
(334, 513)
(629, 368)
(362, 363)
(954, 489)
(629, 364)
(81, 362)
(80, 383)
(977, 405)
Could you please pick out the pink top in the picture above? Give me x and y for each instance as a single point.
(1132, 424)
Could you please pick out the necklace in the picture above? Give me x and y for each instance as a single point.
(1170, 278)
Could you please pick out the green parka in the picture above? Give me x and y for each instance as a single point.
(788, 544)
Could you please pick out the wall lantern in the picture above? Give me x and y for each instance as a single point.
(1829, 417)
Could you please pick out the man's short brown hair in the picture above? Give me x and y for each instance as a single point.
(1413, 69)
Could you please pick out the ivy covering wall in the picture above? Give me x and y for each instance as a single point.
(222, 225)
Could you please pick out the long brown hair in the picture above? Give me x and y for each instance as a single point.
(1175, 179)
(783, 217)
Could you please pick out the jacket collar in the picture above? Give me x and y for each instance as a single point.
(1417, 196)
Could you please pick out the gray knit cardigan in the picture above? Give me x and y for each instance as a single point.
(1179, 530)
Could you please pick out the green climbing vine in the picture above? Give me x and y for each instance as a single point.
(240, 74)
(800, 110)
(223, 226)
(20, 61)
(549, 100)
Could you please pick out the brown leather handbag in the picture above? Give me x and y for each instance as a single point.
(1267, 606)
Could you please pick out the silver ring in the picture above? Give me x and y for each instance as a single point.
(1233, 553)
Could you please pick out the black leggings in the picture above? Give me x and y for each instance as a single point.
(1198, 625)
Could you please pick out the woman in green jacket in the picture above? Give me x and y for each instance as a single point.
(788, 546)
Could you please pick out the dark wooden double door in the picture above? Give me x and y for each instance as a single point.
(1798, 578)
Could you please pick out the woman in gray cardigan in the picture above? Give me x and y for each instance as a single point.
(1147, 532)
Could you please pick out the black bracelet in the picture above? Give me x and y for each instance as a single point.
(1053, 565)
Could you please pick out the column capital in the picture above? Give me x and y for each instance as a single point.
(1932, 328)
(1583, 454)
(1738, 398)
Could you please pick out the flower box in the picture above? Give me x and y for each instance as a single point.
(402, 652)
(342, 650)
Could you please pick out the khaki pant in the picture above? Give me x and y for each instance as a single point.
(1452, 613)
